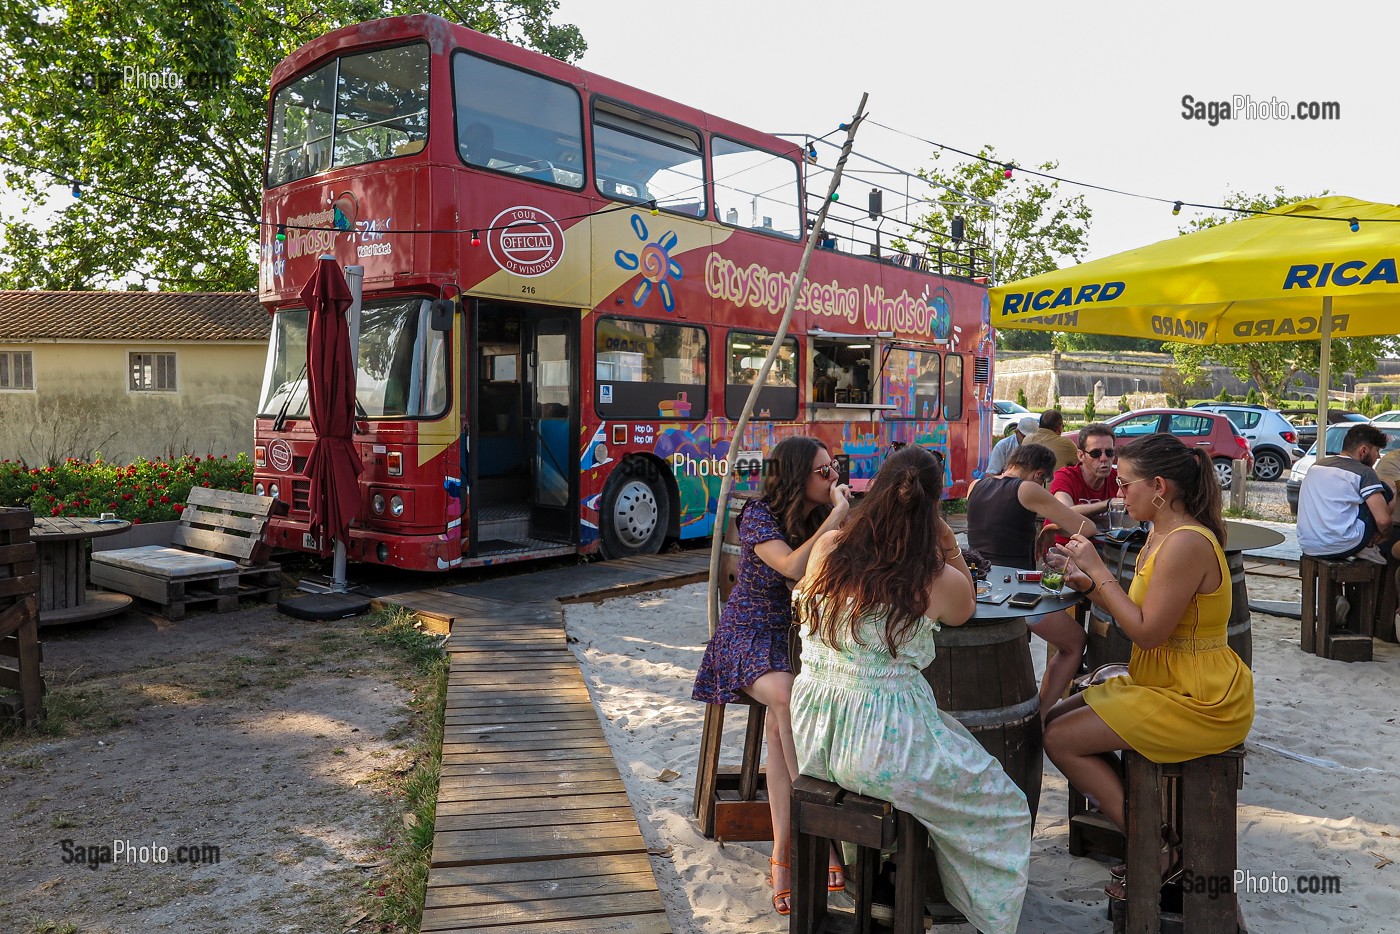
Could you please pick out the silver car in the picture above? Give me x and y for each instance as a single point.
(1335, 434)
(1273, 439)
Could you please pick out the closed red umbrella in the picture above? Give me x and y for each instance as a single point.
(334, 466)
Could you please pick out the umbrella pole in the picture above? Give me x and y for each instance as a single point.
(355, 278)
(1324, 375)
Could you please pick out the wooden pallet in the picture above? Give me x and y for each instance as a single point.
(19, 618)
(170, 597)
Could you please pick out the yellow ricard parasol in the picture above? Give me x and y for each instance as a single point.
(1316, 269)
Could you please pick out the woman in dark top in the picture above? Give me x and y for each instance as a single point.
(749, 649)
(1003, 520)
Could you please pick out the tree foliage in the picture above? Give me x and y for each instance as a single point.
(1271, 365)
(1037, 230)
(170, 176)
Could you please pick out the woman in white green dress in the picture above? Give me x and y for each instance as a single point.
(864, 717)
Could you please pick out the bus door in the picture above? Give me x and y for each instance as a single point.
(551, 399)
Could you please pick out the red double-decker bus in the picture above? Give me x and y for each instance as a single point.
(569, 285)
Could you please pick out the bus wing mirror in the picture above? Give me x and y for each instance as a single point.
(442, 311)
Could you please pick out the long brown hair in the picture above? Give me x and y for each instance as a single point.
(885, 558)
(785, 473)
(1189, 469)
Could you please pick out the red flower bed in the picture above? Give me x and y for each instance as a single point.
(145, 491)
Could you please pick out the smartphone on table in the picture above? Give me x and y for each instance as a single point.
(1024, 599)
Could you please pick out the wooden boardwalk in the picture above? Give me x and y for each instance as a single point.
(534, 832)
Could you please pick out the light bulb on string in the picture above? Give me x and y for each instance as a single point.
(476, 239)
(654, 209)
(1006, 170)
(1176, 208)
(1354, 224)
(77, 188)
(836, 196)
(281, 233)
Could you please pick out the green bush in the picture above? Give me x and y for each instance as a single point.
(1223, 397)
(1386, 405)
(144, 491)
(1090, 410)
(1252, 397)
(1021, 398)
(1123, 403)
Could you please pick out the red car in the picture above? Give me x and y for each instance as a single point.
(1210, 430)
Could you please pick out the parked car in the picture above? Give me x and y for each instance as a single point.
(1305, 420)
(1194, 426)
(1392, 416)
(1006, 414)
(1335, 434)
(1272, 438)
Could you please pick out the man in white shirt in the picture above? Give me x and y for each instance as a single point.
(1003, 449)
(1342, 508)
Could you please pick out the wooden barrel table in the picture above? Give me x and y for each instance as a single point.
(1108, 645)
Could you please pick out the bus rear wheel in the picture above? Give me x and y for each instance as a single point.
(635, 510)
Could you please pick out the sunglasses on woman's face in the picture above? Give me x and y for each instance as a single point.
(827, 471)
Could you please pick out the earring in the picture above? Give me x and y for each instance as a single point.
(1159, 501)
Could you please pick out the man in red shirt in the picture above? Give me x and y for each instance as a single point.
(1086, 487)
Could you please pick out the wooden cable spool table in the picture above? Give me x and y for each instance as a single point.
(62, 544)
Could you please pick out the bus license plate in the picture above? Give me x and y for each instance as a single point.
(310, 543)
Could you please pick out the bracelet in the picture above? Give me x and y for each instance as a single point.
(957, 554)
(1103, 583)
(1093, 585)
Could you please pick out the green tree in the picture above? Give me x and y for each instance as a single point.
(1272, 364)
(1252, 397)
(170, 177)
(1090, 410)
(1021, 398)
(1037, 228)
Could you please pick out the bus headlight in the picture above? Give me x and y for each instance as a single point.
(377, 504)
(273, 491)
(259, 489)
(396, 506)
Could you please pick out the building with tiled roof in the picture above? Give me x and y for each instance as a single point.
(129, 374)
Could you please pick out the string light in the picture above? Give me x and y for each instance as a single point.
(1355, 225)
(654, 209)
(476, 239)
(281, 233)
(1176, 208)
(836, 196)
(77, 189)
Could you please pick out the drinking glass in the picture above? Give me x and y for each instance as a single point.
(1052, 569)
(1117, 514)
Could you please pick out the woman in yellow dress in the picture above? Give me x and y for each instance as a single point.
(1187, 694)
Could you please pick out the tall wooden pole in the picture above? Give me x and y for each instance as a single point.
(735, 438)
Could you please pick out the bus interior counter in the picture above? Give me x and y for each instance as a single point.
(840, 373)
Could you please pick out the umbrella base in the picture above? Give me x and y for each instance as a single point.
(324, 606)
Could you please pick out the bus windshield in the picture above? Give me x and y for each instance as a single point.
(351, 110)
(401, 372)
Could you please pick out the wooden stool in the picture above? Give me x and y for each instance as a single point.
(732, 804)
(1196, 799)
(1346, 640)
(823, 812)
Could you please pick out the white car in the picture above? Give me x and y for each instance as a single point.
(1006, 414)
(1392, 416)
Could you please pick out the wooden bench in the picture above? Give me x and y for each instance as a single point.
(217, 557)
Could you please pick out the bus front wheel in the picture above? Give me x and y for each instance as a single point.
(635, 510)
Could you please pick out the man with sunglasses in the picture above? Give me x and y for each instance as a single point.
(1087, 487)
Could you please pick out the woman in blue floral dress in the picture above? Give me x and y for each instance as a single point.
(749, 650)
(864, 716)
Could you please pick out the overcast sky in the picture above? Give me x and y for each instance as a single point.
(1096, 86)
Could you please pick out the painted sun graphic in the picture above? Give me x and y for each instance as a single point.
(657, 268)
